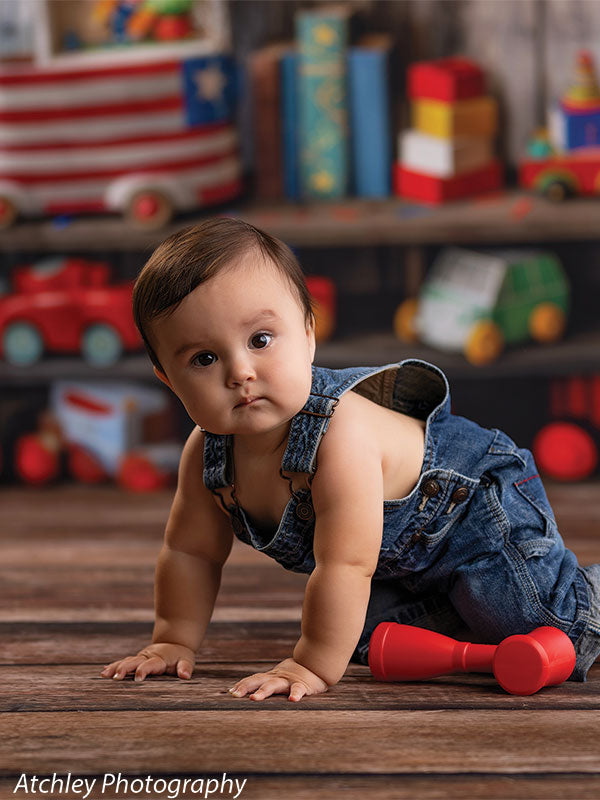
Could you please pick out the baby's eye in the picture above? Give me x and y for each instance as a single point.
(203, 359)
(261, 340)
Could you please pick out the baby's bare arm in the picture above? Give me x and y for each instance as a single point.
(198, 540)
(348, 498)
(347, 494)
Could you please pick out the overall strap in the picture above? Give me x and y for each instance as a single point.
(310, 424)
(306, 430)
(217, 464)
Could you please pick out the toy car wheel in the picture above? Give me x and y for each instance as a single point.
(484, 343)
(8, 213)
(557, 191)
(149, 209)
(547, 322)
(405, 320)
(101, 345)
(22, 344)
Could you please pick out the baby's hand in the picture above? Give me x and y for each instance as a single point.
(174, 659)
(287, 675)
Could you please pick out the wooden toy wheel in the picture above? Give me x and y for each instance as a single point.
(323, 322)
(8, 213)
(101, 345)
(22, 344)
(484, 343)
(149, 209)
(547, 322)
(557, 191)
(405, 320)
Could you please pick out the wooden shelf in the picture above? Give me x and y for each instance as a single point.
(577, 354)
(507, 217)
(134, 367)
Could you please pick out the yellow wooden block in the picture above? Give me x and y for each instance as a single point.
(475, 117)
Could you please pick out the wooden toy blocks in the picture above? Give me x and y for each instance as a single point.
(477, 116)
(449, 151)
(434, 190)
(447, 79)
(443, 157)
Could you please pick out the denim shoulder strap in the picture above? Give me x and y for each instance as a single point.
(217, 465)
(310, 424)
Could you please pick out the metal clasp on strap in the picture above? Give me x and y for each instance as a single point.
(229, 509)
(304, 510)
(336, 400)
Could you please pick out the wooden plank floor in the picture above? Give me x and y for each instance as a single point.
(76, 570)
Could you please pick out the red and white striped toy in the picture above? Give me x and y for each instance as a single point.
(140, 138)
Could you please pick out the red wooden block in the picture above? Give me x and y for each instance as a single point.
(446, 79)
(429, 189)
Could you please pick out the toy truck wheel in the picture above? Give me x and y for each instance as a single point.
(101, 345)
(22, 344)
(547, 322)
(557, 191)
(8, 213)
(405, 320)
(149, 209)
(484, 343)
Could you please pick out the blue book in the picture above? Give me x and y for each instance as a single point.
(370, 116)
(289, 124)
(322, 35)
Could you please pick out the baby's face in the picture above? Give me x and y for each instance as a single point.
(239, 337)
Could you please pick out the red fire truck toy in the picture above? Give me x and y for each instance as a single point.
(66, 306)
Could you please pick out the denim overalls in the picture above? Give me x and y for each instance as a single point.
(474, 544)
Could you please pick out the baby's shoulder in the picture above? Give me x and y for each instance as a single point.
(191, 462)
(351, 427)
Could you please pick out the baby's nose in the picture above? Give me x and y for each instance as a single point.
(239, 372)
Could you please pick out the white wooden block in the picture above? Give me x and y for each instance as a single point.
(443, 157)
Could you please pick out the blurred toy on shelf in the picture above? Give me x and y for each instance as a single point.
(99, 432)
(139, 20)
(448, 153)
(67, 305)
(323, 295)
(567, 448)
(564, 159)
(143, 130)
(477, 302)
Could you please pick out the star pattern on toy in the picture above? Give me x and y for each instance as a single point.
(210, 83)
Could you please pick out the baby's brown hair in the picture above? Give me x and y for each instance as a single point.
(195, 254)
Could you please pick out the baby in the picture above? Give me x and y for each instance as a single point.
(361, 477)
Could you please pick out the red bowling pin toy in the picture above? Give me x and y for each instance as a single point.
(522, 664)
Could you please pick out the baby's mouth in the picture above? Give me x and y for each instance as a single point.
(247, 401)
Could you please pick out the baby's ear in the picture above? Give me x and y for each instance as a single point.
(162, 377)
(310, 332)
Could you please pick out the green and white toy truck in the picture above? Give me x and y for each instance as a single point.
(476, 302)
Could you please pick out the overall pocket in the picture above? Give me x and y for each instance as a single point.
(534, 529)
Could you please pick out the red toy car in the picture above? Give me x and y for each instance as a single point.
(559, 176)
(67, 305)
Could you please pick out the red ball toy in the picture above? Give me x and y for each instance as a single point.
(565, 451)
